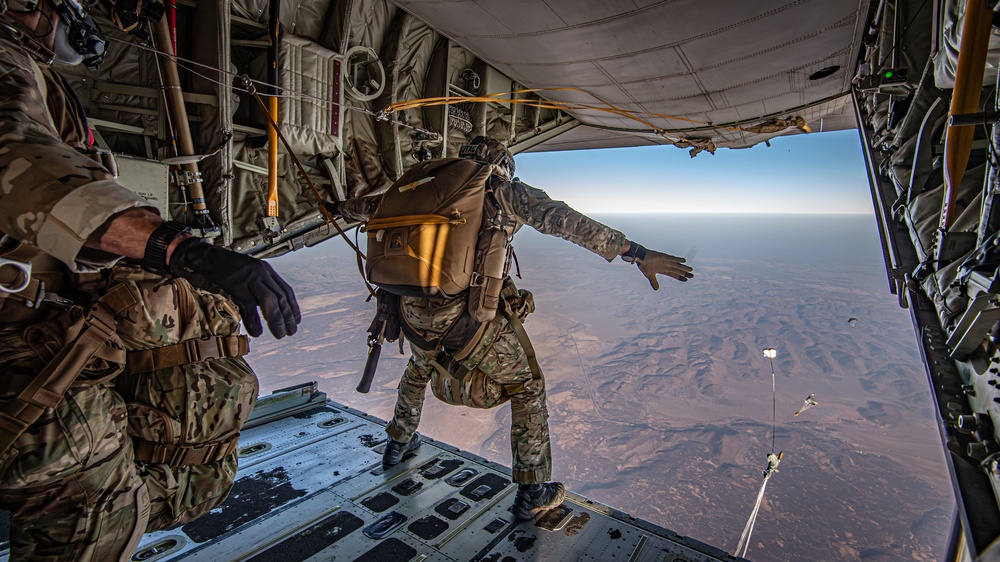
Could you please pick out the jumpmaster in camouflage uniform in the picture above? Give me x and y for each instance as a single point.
(497, 362)
(145, 438)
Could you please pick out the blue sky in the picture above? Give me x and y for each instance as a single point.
(798, 174)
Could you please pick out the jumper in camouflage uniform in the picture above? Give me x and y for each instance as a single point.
(115, 456)
(496, 361)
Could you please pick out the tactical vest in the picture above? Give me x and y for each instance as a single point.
(440, 230)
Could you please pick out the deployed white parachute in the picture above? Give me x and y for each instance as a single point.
(809, 402)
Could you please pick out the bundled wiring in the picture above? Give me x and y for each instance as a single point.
(283, 93)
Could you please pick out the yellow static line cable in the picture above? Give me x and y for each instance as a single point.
(327, 217)
(507, 97)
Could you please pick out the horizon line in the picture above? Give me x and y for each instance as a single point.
(750, 213)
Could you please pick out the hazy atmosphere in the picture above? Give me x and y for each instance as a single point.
(660, 402)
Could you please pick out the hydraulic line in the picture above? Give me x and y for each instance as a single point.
(600, 105)
(175, 106)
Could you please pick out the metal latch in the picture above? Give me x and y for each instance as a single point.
(23, 273)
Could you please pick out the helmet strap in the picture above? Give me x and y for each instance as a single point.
(25, 36)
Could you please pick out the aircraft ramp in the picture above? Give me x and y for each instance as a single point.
(311, 487)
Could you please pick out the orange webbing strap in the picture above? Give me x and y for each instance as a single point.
(48, 387)
(375, 225)
(186, 352)
(184, 455)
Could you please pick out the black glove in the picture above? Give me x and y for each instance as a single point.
(248, 281)
(651, 262)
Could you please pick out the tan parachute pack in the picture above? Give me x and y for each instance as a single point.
(439, 231)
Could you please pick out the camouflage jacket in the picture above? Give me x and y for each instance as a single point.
(52, 194)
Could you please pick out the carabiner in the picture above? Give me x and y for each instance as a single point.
(25, 273)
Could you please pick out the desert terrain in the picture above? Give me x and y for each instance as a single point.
(661, 402)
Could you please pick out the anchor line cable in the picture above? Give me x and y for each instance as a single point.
(286, 93)
(509, 97)
(328, 218)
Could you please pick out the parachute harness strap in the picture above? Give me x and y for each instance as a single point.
(46, 390)
(327, 217)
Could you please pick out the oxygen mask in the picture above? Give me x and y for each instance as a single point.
(78, 39)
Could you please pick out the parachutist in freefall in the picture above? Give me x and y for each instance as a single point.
(809, 402)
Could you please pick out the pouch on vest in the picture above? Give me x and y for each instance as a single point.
(493, 254)
(422, 240)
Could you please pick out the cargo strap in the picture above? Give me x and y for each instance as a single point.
(529, 351)
(374, 225)
(48, 387)
(186, 352)
(183, 455)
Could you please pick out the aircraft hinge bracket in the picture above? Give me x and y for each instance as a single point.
(186, 177)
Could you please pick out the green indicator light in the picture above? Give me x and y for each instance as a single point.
(888, 74)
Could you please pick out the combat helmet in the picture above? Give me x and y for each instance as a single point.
(489, 151)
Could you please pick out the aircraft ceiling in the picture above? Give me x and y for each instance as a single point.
(731, 63)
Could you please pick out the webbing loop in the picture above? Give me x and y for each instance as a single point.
(184, 455)
(186, 352)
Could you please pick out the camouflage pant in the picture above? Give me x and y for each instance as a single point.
(74, 488)
(502, 360)
(71, 488)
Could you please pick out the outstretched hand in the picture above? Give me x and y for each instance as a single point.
(656, 262)
(248, 281)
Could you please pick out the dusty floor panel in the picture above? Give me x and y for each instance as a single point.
(311, 487)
